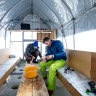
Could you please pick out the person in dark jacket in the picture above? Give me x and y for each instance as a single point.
(32, 52)
(55, 58)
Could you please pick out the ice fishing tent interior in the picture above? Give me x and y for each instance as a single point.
(73, 22)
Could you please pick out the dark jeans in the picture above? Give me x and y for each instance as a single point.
(28, 58)
(35, 58)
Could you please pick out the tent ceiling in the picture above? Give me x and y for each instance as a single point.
(57, 12)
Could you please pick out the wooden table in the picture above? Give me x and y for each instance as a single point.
(32, 87)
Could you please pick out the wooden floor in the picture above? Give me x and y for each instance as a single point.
(32, 87)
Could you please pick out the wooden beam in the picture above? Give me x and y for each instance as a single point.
(25, 87)
(33, 30)
(32, 87)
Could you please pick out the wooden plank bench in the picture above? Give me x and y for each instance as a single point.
(83, 61)
(32, 87)
(76, 82)
(6, 64)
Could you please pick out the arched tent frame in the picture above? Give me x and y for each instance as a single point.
(70, 6)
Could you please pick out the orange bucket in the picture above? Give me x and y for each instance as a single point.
(31, 72)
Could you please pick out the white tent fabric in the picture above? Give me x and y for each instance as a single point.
(57, 11)
(69, 17)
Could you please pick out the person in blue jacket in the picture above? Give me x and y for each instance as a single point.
(55, 58)
(32, 52)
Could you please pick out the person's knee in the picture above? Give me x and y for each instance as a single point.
(36, 53)
(42, 64)
(52, 68)
(64, 62)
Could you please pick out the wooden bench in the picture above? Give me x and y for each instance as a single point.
(76, 82)
(32, 87)
(83, 61)
(6, 64)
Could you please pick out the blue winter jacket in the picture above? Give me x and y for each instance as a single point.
(57, 49)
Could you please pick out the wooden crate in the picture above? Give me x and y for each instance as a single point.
(51, 35)
(40, 36)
